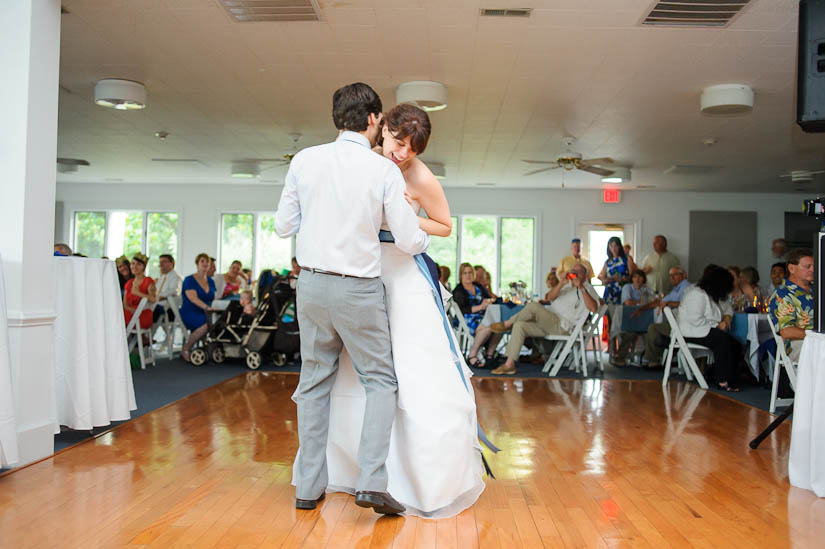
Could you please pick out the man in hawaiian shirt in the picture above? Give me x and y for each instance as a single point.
(792, 307)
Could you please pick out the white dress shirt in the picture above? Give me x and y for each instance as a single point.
(168, 284)
(570, 307)
(698, 313)
(335, 197)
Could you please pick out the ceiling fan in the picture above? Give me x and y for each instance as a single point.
(570, 160)
(69, 165)
(251, 167)
(801, 176)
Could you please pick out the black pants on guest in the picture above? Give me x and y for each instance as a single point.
(158, 313)
(726, 353)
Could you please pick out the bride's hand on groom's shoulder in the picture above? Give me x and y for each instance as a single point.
(408, 198)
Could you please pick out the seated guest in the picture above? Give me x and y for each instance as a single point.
(634, 294)
(615, 272)
(62, 250)
(168, 285)
(293, 274)
(249, 310)
(483, 279)
(198, 294)
(749, 285)
(575, 258)
(637, 293)
(660, 331)
(705, 318)
(136, 288)
(124, 272)
(247, 274)
(551, 282)
(471, 297)
(779, 272)
(737, 299)
(792, 306)
(231, 282)
(570, 301)
(212, 267)
(444, 276)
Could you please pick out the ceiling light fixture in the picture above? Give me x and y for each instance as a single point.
(430, 96)
(123, 95)
(620, 174)
(246, 170)
(162, 135)
(727, 99)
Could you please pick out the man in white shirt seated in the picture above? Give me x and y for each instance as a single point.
(570, 301)
(168, 284)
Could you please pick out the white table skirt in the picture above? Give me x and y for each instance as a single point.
(806, 463)
(8, 430)
(93, 378)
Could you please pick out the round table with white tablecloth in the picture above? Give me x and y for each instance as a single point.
(8, 429)
(806, 463)
(93, 378)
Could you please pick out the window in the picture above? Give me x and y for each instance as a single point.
(251, 239)
(478, 244)
(505, 246)
(122, 232)
(517, 251)
(89, 233)
(444, 251)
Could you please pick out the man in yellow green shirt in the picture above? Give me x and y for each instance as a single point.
(574, 259)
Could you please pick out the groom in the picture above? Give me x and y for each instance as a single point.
(335, 197)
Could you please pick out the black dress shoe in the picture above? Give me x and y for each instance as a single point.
(381, 502)
(308, 503)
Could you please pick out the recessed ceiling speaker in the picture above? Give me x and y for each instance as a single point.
(123, 95)
(727, 99)
(810, 89)
(430, 96)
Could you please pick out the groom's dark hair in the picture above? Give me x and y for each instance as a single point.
(352, 105)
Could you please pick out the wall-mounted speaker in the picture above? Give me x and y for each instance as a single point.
(810, 93)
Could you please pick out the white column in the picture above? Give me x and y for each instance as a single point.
(29, 56)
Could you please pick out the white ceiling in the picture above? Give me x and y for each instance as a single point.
(226, 91)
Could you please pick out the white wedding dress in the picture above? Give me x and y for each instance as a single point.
(434, 463)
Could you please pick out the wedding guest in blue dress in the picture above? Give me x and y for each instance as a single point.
(198, 293)
(616, 271)
(471, 297)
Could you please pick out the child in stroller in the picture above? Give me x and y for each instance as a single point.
(271, 330)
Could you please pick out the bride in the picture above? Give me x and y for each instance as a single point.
(434, 464)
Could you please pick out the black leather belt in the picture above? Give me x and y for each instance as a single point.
(330, 273)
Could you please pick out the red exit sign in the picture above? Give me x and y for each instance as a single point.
(611, 196)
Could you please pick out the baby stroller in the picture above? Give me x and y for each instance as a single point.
(272, 332)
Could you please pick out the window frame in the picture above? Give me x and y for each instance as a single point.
(458, 228)
(256, 225)
(144, 234)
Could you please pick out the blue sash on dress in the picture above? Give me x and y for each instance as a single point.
(430, 273)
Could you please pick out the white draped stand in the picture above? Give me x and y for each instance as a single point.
(93, 378)
(806, 466)
(8, 429)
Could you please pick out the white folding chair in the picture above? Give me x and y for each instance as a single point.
(462, 331)
(173, 304)
(782, 361)
(685, 353)
(134, 329)
(591, 333)
(565, 344)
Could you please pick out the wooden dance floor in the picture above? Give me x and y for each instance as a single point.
(583, 464)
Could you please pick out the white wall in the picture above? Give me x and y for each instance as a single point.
(557, 213)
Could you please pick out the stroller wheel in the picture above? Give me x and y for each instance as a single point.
(197, 357)
(218, 355)
(279, 359)
(253, 360)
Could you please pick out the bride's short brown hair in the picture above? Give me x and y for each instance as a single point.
(408, 120)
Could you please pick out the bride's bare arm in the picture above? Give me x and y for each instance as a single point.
(426, 189)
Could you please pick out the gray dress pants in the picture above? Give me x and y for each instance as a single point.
(334, 312)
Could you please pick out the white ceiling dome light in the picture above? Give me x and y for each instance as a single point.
(430, 96)
(727, 99)
(123, 95)
(620, 174)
